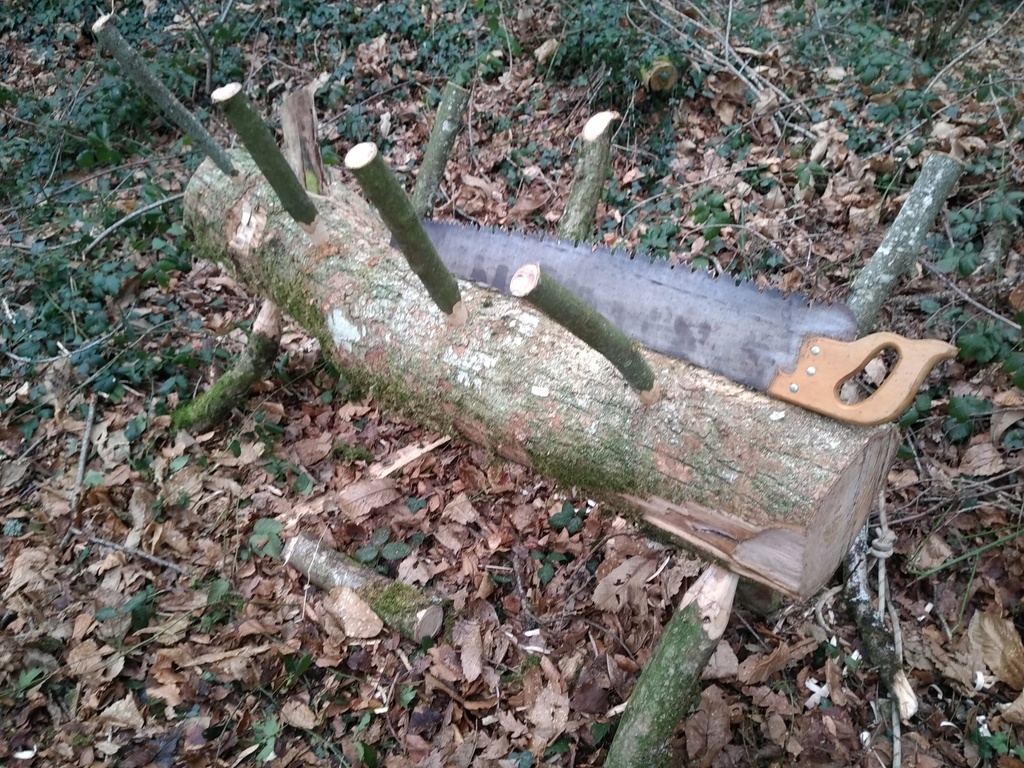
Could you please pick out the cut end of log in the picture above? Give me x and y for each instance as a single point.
(459, 316)
(100, 22)
(651, 396)
(428, 622)
(713, 592)
(360, 156)
(226, 93)
(597, 125)
(524, 280)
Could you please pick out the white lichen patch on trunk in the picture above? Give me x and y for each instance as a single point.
(343, 331)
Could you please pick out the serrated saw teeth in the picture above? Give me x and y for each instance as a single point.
(756, 337)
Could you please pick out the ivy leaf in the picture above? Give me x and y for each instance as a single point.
(395, 550)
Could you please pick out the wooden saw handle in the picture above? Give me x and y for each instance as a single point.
(824, 364)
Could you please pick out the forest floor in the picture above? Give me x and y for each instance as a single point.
(147, 618)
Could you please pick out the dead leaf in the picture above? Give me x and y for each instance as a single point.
(312, 450)
(545, 50)
(355, 615)
(527, 204)
(549, 714)
(362, 497)
(775, 199)
(1014, 714)
(32, 568)
(297, 713)
(466, 637)
(460, 510)
(1002, 421)
(707, 730)
(934, 553)
(1016, 298)
(1000, 646)
(123, 713)
(612, 592)
(757, 668)
(94, 664)
(138, 511)
(723, 663)
(982, 460)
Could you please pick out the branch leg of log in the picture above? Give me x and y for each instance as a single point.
(135, 67)
(577, 222)
(442, 138)
(400, 606)
(258, 139)
(902, 243)
(298, 124)
(670, 682)
(387, 196)
(587, 324)
(893, 259)
(214, 406)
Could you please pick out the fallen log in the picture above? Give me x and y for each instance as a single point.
(773, 492)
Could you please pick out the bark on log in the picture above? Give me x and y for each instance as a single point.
(775, 492)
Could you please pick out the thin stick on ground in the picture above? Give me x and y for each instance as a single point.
(135, 67)
(125, 219)
(442, 138)
(131, 551)
(83, 455)
(587, 324)
(396, 210)
(577, 222)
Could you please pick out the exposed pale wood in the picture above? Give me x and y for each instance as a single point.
(301, 148)
(518, 383)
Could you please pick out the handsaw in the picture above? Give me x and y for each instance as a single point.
(779, 344)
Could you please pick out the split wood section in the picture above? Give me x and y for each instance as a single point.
(773, 492)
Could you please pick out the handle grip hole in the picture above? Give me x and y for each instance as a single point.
(865, 382)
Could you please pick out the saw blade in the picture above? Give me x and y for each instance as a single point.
(734, 329)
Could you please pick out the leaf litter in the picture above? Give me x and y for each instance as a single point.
(107, 655)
